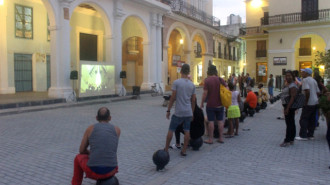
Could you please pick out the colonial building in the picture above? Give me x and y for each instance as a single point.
(283, 34)
(42, 41)
(100, 47)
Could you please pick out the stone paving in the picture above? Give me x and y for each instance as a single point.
(39, 147)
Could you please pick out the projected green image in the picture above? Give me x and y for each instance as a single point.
(97, 79)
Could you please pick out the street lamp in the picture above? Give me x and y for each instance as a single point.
(181, 41)
(1, 2)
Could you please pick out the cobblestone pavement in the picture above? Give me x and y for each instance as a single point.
(39, 148)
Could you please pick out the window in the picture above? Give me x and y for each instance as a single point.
(88, 47)
(230, 56)
(214, 53)
(309, 10)
(219, 50)
(198, 50)
(225, 52)
(48, 31)
(261, 48)
(305, 47)
(23, 22)
(234, 53)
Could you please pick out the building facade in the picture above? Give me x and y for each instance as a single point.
(98, 47)
(285, 35)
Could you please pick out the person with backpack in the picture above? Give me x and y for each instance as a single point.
(214, 107)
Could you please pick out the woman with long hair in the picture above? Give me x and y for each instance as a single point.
(290, 90)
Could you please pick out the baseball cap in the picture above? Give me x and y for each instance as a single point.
(307, 70)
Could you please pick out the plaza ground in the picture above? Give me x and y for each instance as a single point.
(38, 147)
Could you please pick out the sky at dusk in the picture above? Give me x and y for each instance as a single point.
(223, 8)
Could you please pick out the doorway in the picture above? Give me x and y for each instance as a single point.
(262, 72)
(306, 64)
(131, 73)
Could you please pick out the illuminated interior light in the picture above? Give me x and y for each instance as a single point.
(314, 48)
(256, 3)
(322, 67)
(181, 41)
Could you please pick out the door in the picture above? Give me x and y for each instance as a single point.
(306, 64)
(23, 72)
(309, 10)
(262, 72)
(48, 72)
(131, 73)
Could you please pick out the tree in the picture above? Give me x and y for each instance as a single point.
(323, 58)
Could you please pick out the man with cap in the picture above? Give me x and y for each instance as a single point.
(308, 115)
(183, 92)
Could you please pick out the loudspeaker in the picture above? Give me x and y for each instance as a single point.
(122, 74)
(74, 75)
(283, 71)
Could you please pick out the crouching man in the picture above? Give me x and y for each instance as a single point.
(100, 162)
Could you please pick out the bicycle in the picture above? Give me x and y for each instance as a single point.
(156, 90)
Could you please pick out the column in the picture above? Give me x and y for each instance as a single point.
(160, 70)
(4, 87)
(146, 84)
(206, 58)
(165, 64)
(60, 55)
(117, 44)
(108, 45)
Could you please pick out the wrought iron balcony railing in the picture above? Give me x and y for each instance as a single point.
(185, 9)
(261, 53)
(252, 31)
(322, 15)
(305, 51)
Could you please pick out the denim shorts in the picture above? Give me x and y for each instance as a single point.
(176, 121)
(270, 91)
(215, 113)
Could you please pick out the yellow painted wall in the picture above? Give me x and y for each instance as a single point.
(277, 7)
(131, 28)
(251, 59)
(39, 42)
(84, 23)
(253, 14)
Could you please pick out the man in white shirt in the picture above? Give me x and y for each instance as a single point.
(308, 115)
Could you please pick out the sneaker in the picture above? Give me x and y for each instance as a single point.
(175, 147)
(310, 138)
(284, 144)
(300, 139)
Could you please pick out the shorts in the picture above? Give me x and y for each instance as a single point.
(215, 113)
(233, 112)
(270, 91)
(176, 121)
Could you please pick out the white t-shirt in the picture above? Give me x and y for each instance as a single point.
(311, 84)
(234, 97)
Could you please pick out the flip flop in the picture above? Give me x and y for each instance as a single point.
(208, 142)
(183, 154)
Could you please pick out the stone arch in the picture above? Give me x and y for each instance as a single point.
(52, 14)
(307, 33)
(100, 9)
(183, 31)
(203, 36)
(142, 23)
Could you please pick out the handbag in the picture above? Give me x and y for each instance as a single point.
(298, 102)
(225, 96)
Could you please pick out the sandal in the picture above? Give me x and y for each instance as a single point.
(219, 141)
(183, 154)
(208, 142)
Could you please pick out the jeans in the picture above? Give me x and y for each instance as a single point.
(328, 135)
(246, 107)
(290, 125)
(80, 166)
(307, 121)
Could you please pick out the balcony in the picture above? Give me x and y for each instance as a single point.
(220, 55)
(252, 30)
(305, 51)
(185, 9)
(261, 53)
(293, 18)
(230, 57)
(198, 54)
